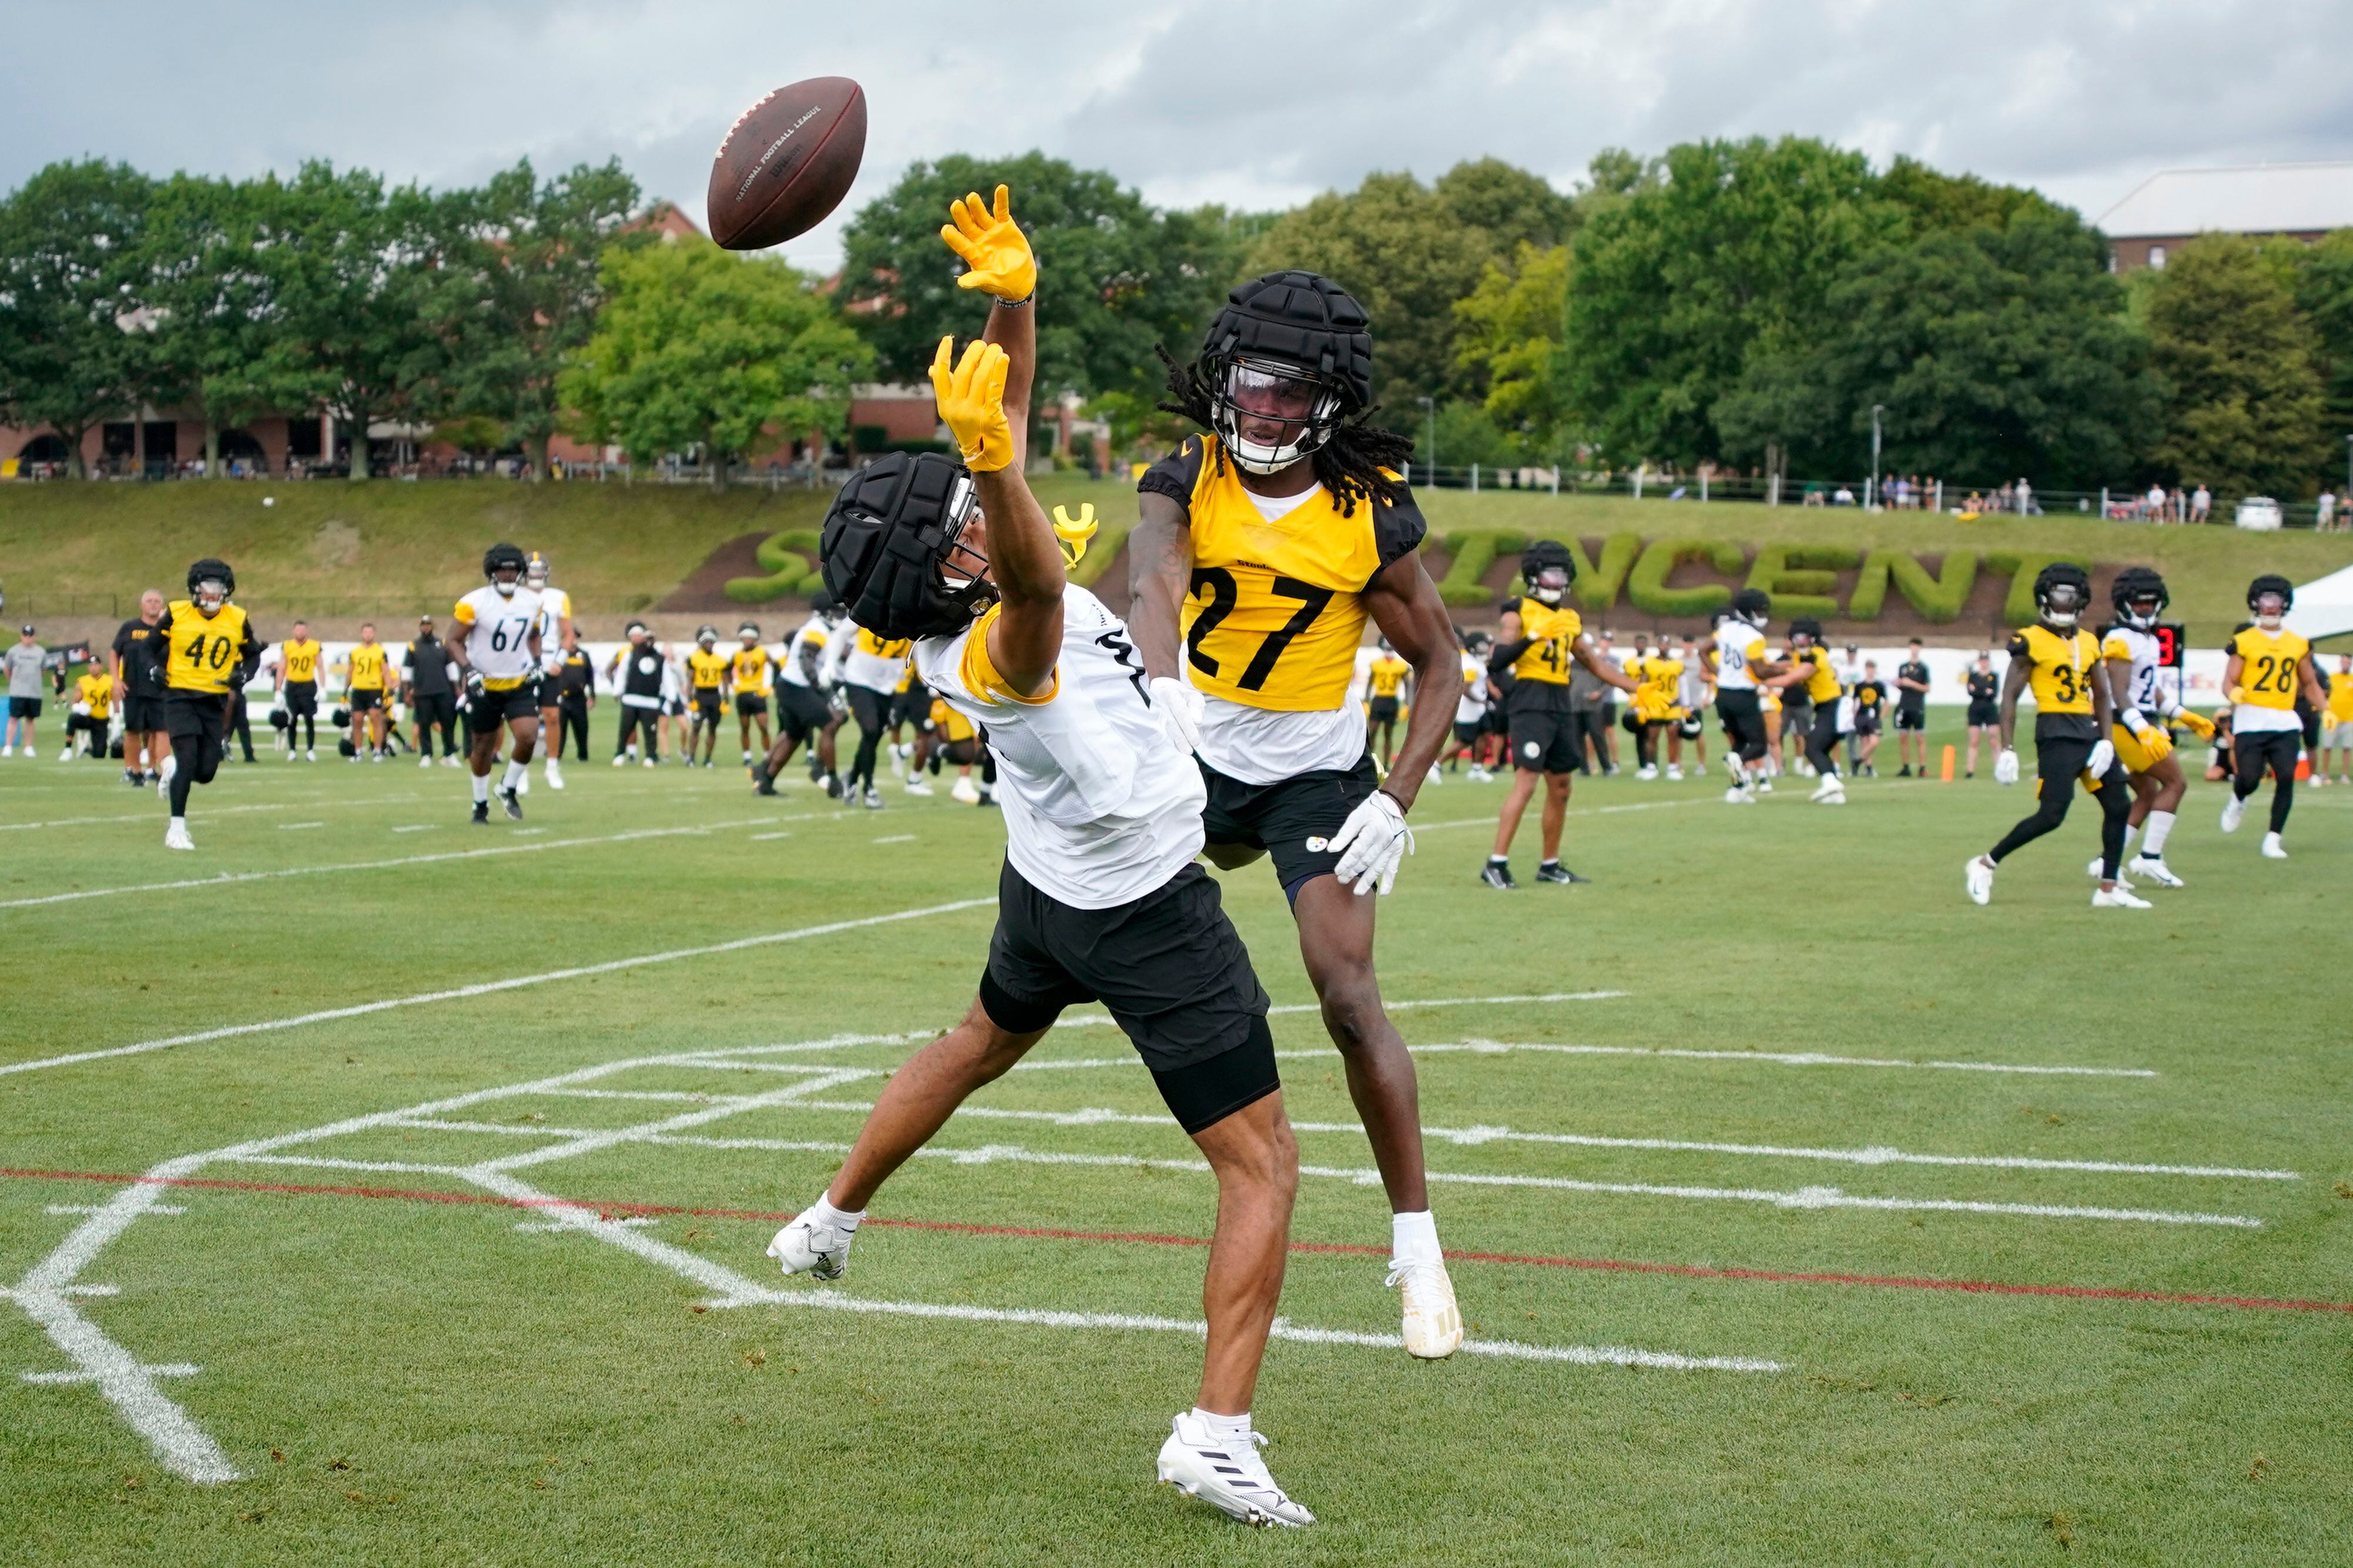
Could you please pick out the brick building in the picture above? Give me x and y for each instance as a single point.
(2264, 201)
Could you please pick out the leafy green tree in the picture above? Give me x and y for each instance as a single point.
(697, 348)
(1115, 274)
(1510, 338)
(208, 287)
(1995, 350)
(1513, 206)
(537, 249)
(1675, 287)
(2244, 401)
(1933, 200)
(72, 345)
(2324, 292)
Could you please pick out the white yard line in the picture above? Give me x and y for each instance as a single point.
(148, 817)
(1091, 1020)
(489, 987)
(897, 839)
(1497, 1047)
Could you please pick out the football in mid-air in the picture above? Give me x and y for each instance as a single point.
(788, 162)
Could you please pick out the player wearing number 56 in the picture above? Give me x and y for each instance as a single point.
(209, 653)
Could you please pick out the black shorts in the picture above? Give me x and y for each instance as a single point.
(1466, 731)
(141, 715)
(750, 705)
(492, 709)
(1384, 711)
(1914, 720)
(1543, 741)
(801, 712)
(24, 708)
(202, 714)
(1171, 968)
(2060, 759)
(912, 706)
(366, 699)
(1866, 721)
(433, 708)
(302, 699)
(1494, 721)
(1742, 714)
(1984, 715)
(707, 706)
(1293, 819)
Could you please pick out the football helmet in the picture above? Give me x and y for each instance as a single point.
(534, 571)
(504, 565)
(706, 635)
(2061, 590)
(1548, 568)
(2270, 583)
(750, 632)
(1288, 358)
(1755, 605)
(893, 550)
(1806, 631)
(2136, 587)
(210, 583)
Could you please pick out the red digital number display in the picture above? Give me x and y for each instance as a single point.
(2169, 645)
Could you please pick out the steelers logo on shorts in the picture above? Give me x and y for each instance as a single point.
(1532, 750)
(1317, 845)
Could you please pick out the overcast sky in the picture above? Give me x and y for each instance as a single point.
(1251, 105)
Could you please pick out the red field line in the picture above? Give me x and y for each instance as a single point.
(1605, 1264)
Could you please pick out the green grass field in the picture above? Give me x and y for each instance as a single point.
(1794, 1084)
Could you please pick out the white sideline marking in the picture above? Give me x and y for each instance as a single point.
(763, 837)
(297, 827)
(1791, 1059)
(489, 987)
(547, 1228)
(94, 1208)
(168, 1369)
(420, 827)
(1472, 1137)
(1096, 1020)
(231, 877)
(315, 804)
(897, 839)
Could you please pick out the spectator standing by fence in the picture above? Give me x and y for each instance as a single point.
(2201, 504)
(26, 666)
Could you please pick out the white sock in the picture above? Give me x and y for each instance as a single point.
(825, 1213)
(180, 823)
(1223, 1428)
(2160, 824)
(1413, 1238)
(515, 773)
(482, 788)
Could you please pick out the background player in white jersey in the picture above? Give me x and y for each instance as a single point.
(1741, 661)
(2137, 669)
(1099, 898)
(802, 711)
(870, 667)
(495, 642)
(555, 640)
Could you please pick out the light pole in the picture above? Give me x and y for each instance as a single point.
(1871, 485)
(1430, 411)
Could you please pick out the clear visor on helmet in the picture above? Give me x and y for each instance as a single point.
(961, 562)
(211, 594)
(504, 576)
(2270, 606)
(2063, 601)
(1551, 583)
(1272, 414)
(2143, 610)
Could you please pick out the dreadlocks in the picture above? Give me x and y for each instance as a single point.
(1361, 461)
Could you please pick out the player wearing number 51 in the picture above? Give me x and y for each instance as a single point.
(1265, 544)
(209, 653)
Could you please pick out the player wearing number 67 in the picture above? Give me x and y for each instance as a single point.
(209, 652)
(494, 641)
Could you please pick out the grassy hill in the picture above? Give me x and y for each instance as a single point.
(329, 549)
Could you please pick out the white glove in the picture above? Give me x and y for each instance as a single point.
(2005, 767)
(1179, 707)
(1371, 843)
(2103, 758)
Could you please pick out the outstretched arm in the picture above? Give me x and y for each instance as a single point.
(1604, 671)
(1025, 559)
(999, 264)
(1159, 575)
(1405, 604)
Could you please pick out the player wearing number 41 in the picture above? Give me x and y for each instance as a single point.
(209, 652)
(495, 642)
(2135, 663)
(2063, 662)
(1099, 898)
(2270, 667)
(1264, 544)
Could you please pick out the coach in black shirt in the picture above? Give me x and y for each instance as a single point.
(137, 654)
(424, 671)
(1911, 712)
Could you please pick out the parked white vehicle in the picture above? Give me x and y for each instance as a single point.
(2258, 512)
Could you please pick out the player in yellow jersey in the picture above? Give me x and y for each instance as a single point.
(1387, 681)
(1810, 672)
(706, 677)
(1265, 544)
(1657, 707)
(2269, 668)
(299, 659)
(92, 711)
(209, 651)
(748, 674)
(2336, 725)
(2073, 710)
(367, 671)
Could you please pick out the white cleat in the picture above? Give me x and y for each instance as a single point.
(1980, 879)
(66, 755)
(965, 792)
(2153, 868)
(1738, 796)
(1764, 786)
(813, 1247)
(310, 754)
(2118, 898)
(2272, 849)
(2099, 868)
(555, 774)
(424, 762)
(1228, 1476)
(917, 787)
(1433, 1323)
(176, 837)
(1831, 791)
(1478, 774)
(1647, 771)
(2233, 809)
(620, 761)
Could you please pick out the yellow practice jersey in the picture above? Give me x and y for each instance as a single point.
(706, 670)
(1387, 674)
(2267, 673)
(205, 655)
(2061, 664)
(2340, 696)
(1821, 682)
(301, 659)
(95, 690)
(752, 671)
(1276, 611)
(952, 725)
(1556, 629)
(1661, 683)
(367, 663)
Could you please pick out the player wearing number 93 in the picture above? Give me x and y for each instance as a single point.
(495, 643)
(209, 653)
(1099, 898)
(2062, 661)
(1264, 544)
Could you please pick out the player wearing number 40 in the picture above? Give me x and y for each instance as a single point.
(209, 652)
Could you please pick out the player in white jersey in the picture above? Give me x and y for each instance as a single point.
(555, 640)
(1741, 661)
(872, 667)
(802, 711)
(1099, 898)
(495, 642)
(1471, 708)
(2137, 670)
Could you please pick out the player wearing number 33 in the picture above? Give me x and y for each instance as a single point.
(1265, 543)
(209, 652)
(2063, 662)
(1099, 898)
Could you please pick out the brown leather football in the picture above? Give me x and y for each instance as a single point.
(788, 162)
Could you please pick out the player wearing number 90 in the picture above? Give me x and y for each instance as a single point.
(1264, 544)
(209, 653)
(2064, 664)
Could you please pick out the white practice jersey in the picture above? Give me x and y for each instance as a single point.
(1099, 807)
(813, 633)
(866, 663)
(497, 628)
(1471, 706)
(1736, 642)
(555, 609)
(2146, 688)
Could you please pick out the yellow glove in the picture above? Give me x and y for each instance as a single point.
(1073, 533)
(971, 396)
(2156, 742)
(993, 247)
(2197, 725)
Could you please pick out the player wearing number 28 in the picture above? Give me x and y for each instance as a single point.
(209, 653)
(2269, 668)
(1264, 544)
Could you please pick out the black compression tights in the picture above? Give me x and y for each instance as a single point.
(310, 723)
(1824, 735)
(2056, 790)
(194, 759)
(2271, 750)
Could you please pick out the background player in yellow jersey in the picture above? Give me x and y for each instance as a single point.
(367, 670)
(1540, 637)
(2269, 668)
(2336, 725)
(209, 651)
(706, 680)
(1264, 544)
(1386, 680)
(2062, 661)
(92, 712)
(749, 677)
(299, 659)
(1657, 707)
(2135, 670)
